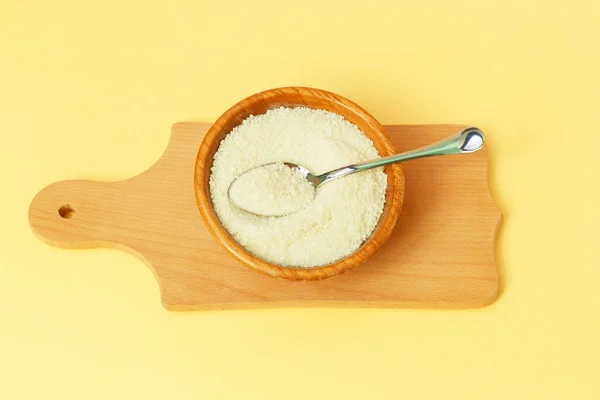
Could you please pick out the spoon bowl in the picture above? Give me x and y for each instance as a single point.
(253, 194)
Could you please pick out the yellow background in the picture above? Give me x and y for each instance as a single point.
(90, 90)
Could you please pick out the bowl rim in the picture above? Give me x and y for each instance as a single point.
(368, 248)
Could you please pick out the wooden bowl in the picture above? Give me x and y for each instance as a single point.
(294, 97)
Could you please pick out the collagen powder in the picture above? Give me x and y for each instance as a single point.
(331, 226)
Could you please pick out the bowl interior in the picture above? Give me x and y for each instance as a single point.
(295, 97)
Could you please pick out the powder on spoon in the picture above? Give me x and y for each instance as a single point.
(273, 189)
(342, 215)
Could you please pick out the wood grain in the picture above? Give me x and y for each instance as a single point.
(260, 103)
(440, 255)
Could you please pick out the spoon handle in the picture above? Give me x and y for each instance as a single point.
(468, 141)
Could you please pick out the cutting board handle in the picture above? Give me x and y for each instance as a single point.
(77, 213)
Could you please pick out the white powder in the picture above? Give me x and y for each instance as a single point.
(272, 189)
(342, 215)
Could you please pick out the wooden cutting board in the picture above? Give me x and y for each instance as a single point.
(441, 254)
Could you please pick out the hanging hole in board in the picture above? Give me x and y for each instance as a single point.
(67, 211)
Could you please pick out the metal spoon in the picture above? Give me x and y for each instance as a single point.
(468, 141)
